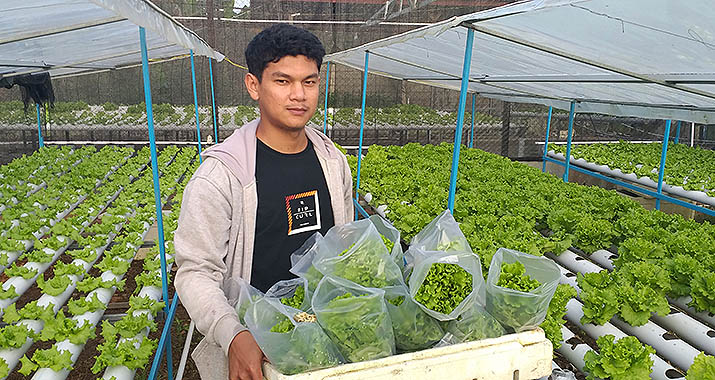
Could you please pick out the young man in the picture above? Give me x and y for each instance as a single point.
(256, 198)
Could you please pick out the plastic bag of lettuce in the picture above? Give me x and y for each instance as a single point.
(414, 330)
(355, 318)
(302, 261)
(356, 252)
(293, 293)
(291, 339)
(520, 287)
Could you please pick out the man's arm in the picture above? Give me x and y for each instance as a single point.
(201, 242)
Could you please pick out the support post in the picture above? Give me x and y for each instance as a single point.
(157, 192)
(692, 134)
(196, 105)
(325, 108)
(39, 127)
(471, 134)
(546, 140)
(213, 100)
(362, 128)
(466, 65)
(677, 132)
(663, 155)
(568, 141)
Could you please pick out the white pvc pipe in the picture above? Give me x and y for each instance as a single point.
(185, 352)
(698, 196)
(674, 349)
(692, 134)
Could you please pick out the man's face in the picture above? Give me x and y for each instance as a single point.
(288, 92)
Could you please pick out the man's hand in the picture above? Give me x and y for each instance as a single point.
(245, 358)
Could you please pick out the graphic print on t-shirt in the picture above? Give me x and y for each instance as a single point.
(303, 212)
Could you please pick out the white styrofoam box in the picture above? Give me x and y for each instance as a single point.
(521, 356)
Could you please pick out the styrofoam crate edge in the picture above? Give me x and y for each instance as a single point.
(529, 353)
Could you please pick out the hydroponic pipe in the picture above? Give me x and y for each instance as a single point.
(644, 181)
(691, 327)
(122, 372)
(362, 127)
(105, 296)
(325, 108)
(185, 352)
(12, 356)
(466, 66)
(574, 313)
(673, 349)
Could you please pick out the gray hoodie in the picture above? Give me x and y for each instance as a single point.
(215, 236)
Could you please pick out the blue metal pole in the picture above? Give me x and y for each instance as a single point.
(165, 334)
(568, 142)
(663, 155)
(157, 192)
(466, 65)
(677, 132)
(196, 104)
(213, 101)
(39, 126)
(325, 109)
(362, 128)
(546, 140)
(471, 134)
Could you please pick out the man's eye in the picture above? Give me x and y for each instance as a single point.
(281, 81)
(310, 82)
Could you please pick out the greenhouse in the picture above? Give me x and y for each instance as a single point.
(558, 225)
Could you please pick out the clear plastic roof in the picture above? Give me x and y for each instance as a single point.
(66, 37)
(645, 58)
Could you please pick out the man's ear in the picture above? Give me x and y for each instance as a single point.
(252, 84)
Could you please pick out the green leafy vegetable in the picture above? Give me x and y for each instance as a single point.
(296, 300)
(444, 287)
(363, 334)
(82, 305)
(23, 271)
(282, 327)
(54, 286)
(703, 368)
(626, 359)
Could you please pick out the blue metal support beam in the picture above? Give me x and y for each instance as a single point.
(677, 132)
(213, 100)
(568, 142)
(360, 209)
(635, 188)
(471, 134)
(362, 128)
(663, 156)
(325, 108)
(196, 105)
(546, 139)
(466, 65)
(165, 338)
(157, 192)
(39, 127)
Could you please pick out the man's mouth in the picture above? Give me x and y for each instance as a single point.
(298, 111)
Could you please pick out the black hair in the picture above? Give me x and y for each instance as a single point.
(278, 41)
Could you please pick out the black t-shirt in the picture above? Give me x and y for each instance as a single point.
(293, 203)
